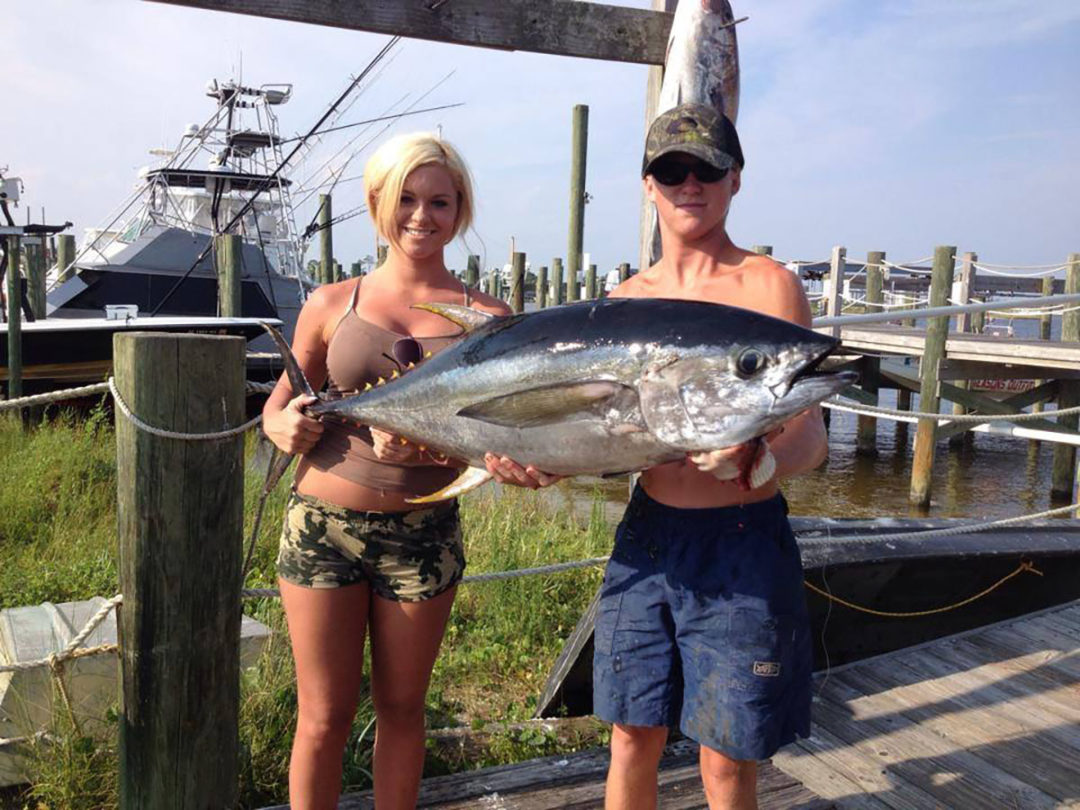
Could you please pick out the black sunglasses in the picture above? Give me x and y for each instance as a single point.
(675, 172)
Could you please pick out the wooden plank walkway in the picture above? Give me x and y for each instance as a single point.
(576, 782)
(1038, 354)
(978, 721)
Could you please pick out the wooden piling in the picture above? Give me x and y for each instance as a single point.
(180, 514)
(14, 317)
(227, 248)
(558, 292)
(870, 378)
(762, 250)
(837, 268)
(1063, 473)
(964, 323)
(542, 288)
(493, 283)
(65, 255)
(326, 240)
(472, 271)
(579, 140)
(937, 330)
(590, 282)
(624, 272)
(1046, 323)
(35, 280)
(381, 252)
(517, 282)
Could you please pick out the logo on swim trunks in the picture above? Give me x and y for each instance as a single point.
(767, 669)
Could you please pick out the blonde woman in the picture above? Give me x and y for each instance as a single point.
(356, 559)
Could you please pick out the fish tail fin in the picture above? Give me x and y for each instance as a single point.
(470, 478)
(300, 384)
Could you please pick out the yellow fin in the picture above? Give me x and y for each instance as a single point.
(470, 478)
(465, 317)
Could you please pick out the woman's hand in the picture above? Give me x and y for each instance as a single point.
(393, 448)
(507, 471)
(291, 430)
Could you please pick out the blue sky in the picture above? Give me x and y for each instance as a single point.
(889, 125)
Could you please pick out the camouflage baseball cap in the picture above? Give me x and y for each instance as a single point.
(697, 130)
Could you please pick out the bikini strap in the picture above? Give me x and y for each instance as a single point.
(352, 303)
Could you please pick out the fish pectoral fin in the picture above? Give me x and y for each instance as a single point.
(546, 405)
(470, 478)
(465, 317)
(299, 382)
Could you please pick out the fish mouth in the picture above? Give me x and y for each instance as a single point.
(811, 377)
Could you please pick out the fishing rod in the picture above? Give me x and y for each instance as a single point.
(383, 118)
(274, 175)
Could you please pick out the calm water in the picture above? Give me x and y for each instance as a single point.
(998, 477)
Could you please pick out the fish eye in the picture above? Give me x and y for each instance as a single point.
(749, 363)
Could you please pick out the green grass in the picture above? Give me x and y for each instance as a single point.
(57, 543)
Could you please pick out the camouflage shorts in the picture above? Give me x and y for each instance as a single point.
(405, 556)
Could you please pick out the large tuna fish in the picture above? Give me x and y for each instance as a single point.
(701, 67)
(596, 387)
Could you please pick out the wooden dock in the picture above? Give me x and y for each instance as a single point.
(978, 721)
(576, 782)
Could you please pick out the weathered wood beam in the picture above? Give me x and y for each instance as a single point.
(563, 27)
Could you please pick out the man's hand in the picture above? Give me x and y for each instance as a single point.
(507, 471)
(750, 464)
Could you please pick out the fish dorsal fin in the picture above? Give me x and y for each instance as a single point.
(465, 317)
(299, 382)
(470, 478)
(546, 404)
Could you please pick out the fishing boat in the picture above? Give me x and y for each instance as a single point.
(155, 257)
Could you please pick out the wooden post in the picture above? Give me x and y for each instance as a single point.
(326, 240)
(1046, 322)
(65, 255)
(866, 435)
(472, 271)
(652, 100)
(624, 272)
(381, 253)
(579, 141)
(14, 317)
(558, 292)
(180, 515)
(837, 268)
(493, 284)
(937, 330)
(542, 288)
(228, 249)
(35, 280)
(517, 282)
(1063, 474)
(964, 323)
(762, 250)
(590, 282)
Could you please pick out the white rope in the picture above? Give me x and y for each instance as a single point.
(910, 416)
(1051, 267)
(555, 568)
(169, 434)
(939, 312)
(54, 396)
(72, 648)
(966, 528)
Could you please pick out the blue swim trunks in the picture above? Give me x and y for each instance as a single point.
(702, 626)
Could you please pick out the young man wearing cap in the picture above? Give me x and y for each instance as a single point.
(702, 622)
